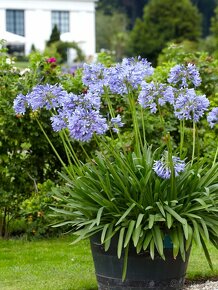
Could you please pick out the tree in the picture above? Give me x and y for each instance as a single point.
(214, 24)
(164, 21)
(55, 35)
(132, 9)
(207, 10)
(111, 32)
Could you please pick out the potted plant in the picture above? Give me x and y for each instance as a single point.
(147, 193)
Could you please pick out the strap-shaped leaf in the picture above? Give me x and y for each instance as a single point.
(147, 240)
(206, 253)
(98, 218)
(125, 214)
(175, 241)
(109, 235)
(129, 232)
(160, 206)
(175, 214)
(181, 242)
(140, 244)
(136, 235)
(196, 234)
(125, 262)
(103, 234)
(139, 219)
(185, 230)
(120, 242)
(151, 220)
(205, 229)
(169, 220)
(152, 249)
(190, 238)
(158, 240)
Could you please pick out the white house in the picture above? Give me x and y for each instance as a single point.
(34, 20)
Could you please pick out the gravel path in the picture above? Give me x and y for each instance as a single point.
(208, 285)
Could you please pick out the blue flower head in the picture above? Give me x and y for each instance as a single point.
(183, 75)
(45, 96)
(162, 166)
(153, 94)
(189, 106)
(20, 104)
(127, 74)
(212, 117)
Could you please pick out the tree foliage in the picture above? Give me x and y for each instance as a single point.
(164, 21)
(111, 32)
(214, 24)
(55, 35)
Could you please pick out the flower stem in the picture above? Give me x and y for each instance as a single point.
(194, 142)
(215, 157)
(182, 134)
(54, 149)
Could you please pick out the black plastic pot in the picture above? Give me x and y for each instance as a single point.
(143, 273)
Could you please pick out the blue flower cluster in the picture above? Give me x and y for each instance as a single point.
(81, 114)
(186, 103)
(212, 117)
(183, 75)
(163, 169)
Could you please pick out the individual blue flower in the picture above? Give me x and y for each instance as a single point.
(189, 106)
(183, 74)
(45, 96)
(163, 169)
(20, 104)
(153, 93)
(212, 117)
(116, 122)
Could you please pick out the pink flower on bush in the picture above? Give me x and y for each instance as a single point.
(51, 60)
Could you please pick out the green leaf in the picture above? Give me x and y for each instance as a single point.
(120, 243)
(175, 214)
(196, 234)
(147, 240)
(151, 220)
(139, 220)
(125, 262)
(126, 213)
(181, 243)
(206, 253)
(205, 229)
(129, 232)
(160, 206)
(190, 238)
(152, 249)
(169, 220)
(185, 230)
(136, 235)
(104, 233)
(158, 240)
(175, 241)
(109, 235)
(98, 219)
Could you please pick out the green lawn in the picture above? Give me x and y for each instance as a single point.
(55, 264)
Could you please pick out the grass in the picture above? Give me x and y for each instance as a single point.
(21, 64)
(54, 264)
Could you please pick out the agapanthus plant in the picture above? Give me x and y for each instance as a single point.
(139, 193)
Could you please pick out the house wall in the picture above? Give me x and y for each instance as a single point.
(38, 21)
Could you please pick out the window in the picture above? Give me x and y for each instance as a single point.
(61, 19)
(15, 21)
